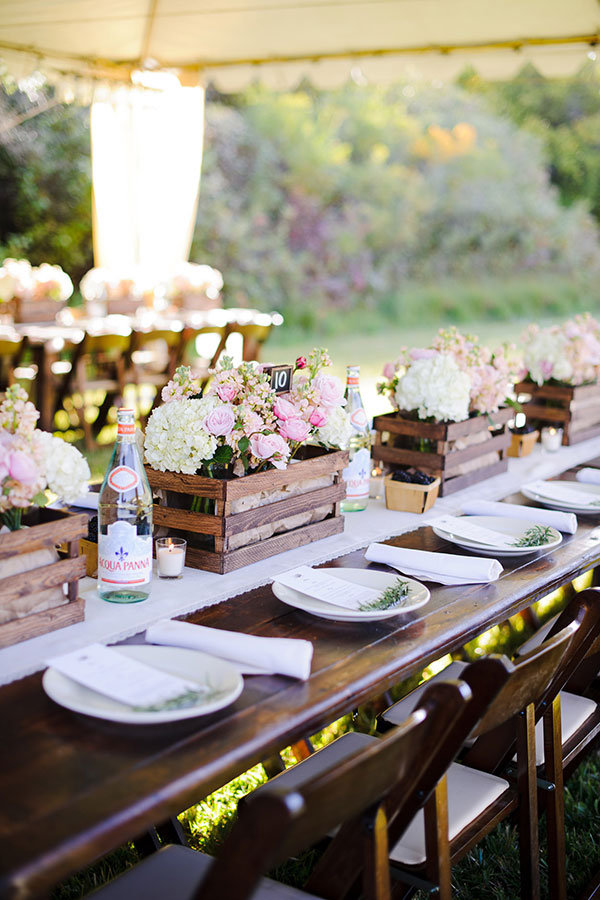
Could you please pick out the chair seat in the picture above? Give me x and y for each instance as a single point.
(403, 708)
(574, 712)
(175, 872)
(470, 792)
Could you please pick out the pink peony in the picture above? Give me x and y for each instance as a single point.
(389, 370)
(226, 393)
(283, 409)
(319, 417)
(417, 353)
(220, 421)
(301, 362)
(294, 429)
(270, 446)
(330, 389)
(22, 467)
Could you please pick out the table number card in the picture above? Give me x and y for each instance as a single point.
(281, 378)
(121, 678)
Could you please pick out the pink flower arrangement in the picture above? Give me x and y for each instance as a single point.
(486, 379)
(240, 425)
(28, 461)
(567, 353)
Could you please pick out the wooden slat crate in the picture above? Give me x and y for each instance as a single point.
(216, 531)
(574, 409)
(30, 311)
(55, 527)
(397, 445)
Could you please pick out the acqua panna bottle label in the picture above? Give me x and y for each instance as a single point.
(357, 475)
(123, 478)
(124, 556)
(358, 418)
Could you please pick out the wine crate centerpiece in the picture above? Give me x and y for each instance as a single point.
(459, 453)
(32, 599)
(256, 516)
(574, 409)
(29, 311)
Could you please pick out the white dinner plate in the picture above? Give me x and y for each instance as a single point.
(589, 492)
(418, 595)
(222, 682)
(513, 528)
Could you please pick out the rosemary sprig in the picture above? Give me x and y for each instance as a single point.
(535, 537)
(183, 701)
(392, 596)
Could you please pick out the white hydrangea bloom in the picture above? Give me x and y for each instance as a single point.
(337, 430)
(546, 356)
(176, 440)
(436, 387)
(66, 471)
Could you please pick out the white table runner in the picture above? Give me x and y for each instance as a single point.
(109, 622)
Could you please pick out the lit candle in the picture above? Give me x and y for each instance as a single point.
(170, 556)
(552, 439)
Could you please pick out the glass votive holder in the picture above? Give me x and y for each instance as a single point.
(552, 438)
(170, 556)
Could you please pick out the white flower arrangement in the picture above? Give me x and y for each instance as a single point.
(176, 439)
(436, 387)
(194, 278)
(19, 279)
(567, 353)
(337, 431)
(66, 471)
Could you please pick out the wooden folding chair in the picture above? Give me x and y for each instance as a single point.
(154, 354)
(493, 750)
(279, 820)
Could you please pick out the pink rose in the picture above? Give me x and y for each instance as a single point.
(227, 392)
(301, 362)
(422, 354)
(294, 429)
(389, 370)
(283, 409)
(319, 417)
(22, 467)
(331, 390)
(220, 421)
(546, 368)
(270, 446)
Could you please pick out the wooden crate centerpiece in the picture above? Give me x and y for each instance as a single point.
(32, 599)
(459, 453)
(575, 409)
(257, 515)
(29, 311)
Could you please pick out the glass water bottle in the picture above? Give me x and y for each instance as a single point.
(357, 474)
(125, 521)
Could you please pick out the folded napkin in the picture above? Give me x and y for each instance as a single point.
(251, 654)
(588, 476)
(87, 501)
(563, 521)
(445, 568)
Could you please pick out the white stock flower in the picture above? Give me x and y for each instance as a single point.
(436, 387)
(176, 439)
(66, 471)
(338, 429)
(546, 356)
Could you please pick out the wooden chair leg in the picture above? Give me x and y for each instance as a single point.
(437, 845)
(376, 872)
(529, 851)
(80, 380)
(302, 749)
(555, 814)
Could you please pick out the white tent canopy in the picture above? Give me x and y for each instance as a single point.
(232, 42)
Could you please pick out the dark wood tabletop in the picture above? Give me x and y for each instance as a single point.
(74, 788)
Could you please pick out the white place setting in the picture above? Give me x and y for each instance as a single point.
(571, 496)
(349, 595)
(496, 535)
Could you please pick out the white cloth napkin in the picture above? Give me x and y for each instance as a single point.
(250, 653)
(566, 522)
(445, 568)
(87, 501)
(588, 475)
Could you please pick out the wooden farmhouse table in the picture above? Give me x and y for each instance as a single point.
(73, 789)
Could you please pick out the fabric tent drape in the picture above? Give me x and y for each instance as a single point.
(146, 162)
